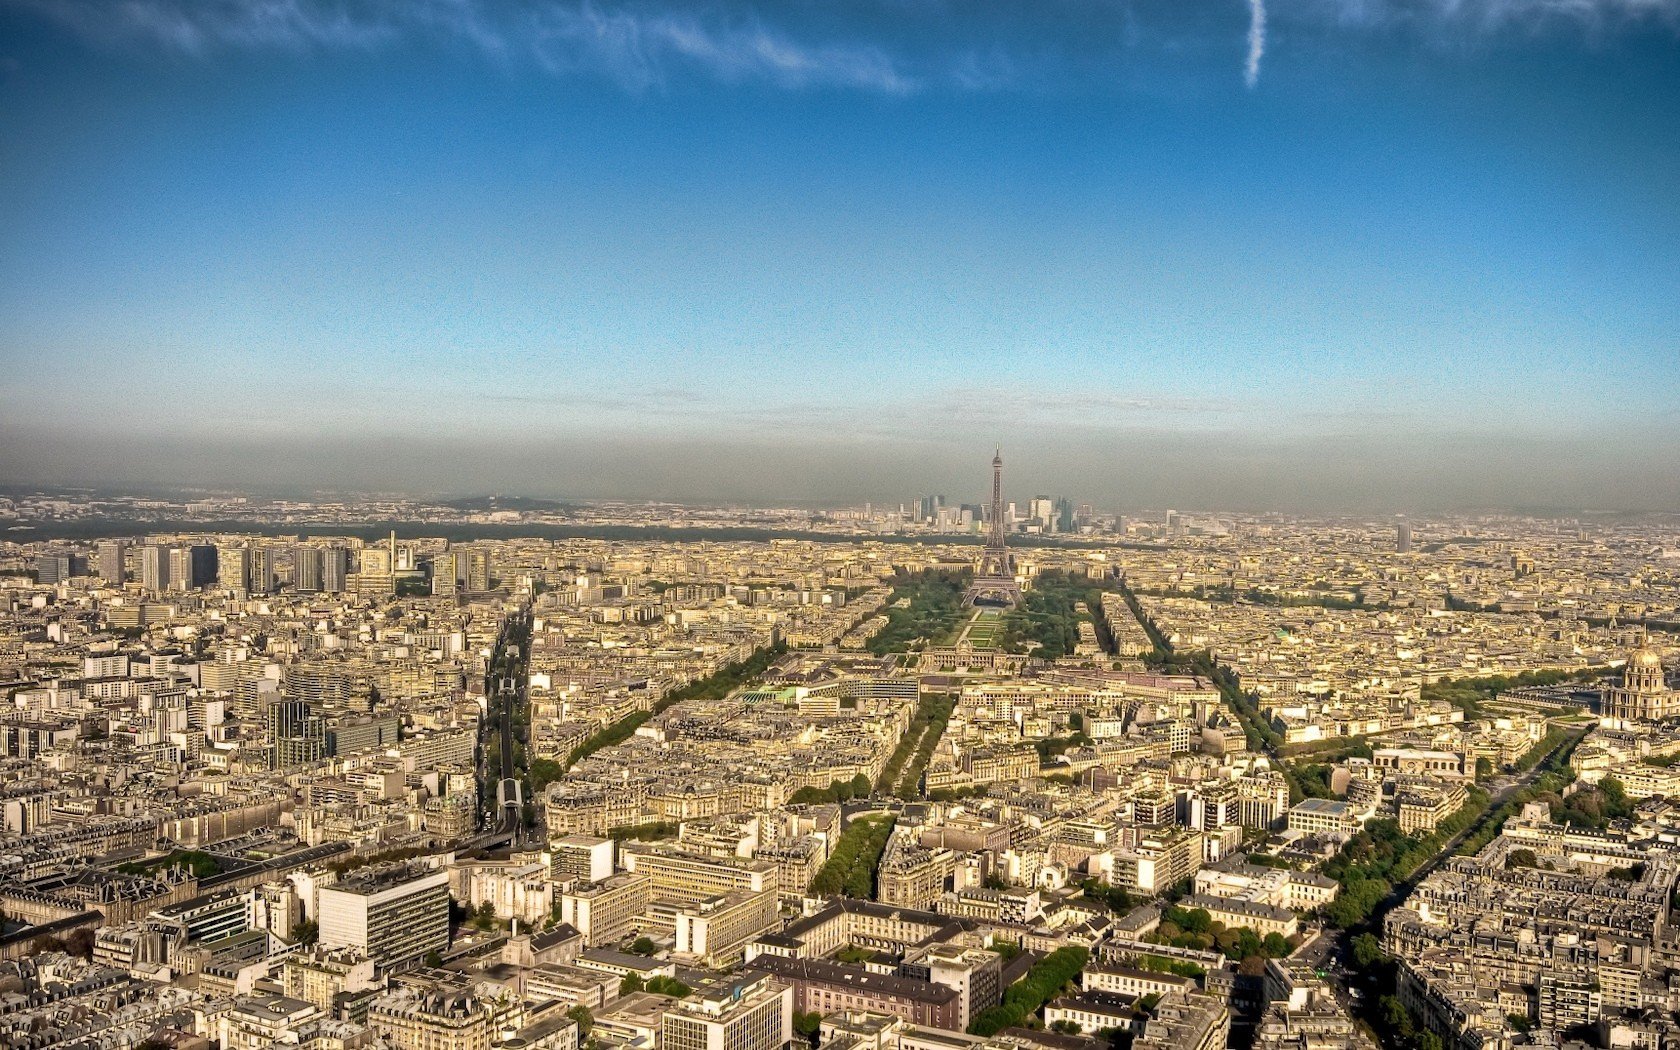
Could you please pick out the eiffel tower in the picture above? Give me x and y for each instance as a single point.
(994, 577)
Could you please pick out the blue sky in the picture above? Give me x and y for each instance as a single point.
(1395, 254)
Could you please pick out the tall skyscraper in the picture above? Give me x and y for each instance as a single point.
(1403, 537)
(446, 574)
(478, 569)
(113, 561)
(180, 568)
(374, 573)
(52, 568)
(375, 561)
(192, 566)
(261, 577)
(335, 567)
(233, 568)
(307, 569)
(155, 562)
(1042, 511)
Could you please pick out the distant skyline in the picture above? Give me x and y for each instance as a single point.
(1300, 254)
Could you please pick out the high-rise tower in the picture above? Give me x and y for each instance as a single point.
(994, 578)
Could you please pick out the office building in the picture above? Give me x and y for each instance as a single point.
(296, 734)
(582, 858)
(478, 569)
(260, 579)
(233, 568)
(446, 573)
(335, 569)
(689, 878)
(192, 567)
(113, 561)
(306, 568)
(390, 915)
(376, 572)
(155, 562)
(717, 930)
(749, 1015)
(180, 568)
(605, 911)
(52, 568)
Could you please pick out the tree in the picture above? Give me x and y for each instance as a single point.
(80, 943)
(1367, 952)
(669, 986)
(306, 933)
(643, 946)
(1394, 1015)
(1066, 1027)
(584, 1020)
(860, 786)
(433, 959)
(631, 985)
(808, 1025)
(485, 917)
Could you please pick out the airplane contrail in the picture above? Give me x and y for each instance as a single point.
(1256, 41)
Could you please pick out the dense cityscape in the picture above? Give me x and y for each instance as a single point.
(1009, 773)
(839, 525)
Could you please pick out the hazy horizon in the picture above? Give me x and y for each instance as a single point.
(1206, 472)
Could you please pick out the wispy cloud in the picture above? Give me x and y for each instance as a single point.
(1256, 42)
(892, 47)
(638, 44)
(1492, 15)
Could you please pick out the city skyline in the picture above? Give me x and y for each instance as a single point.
(1422, 259)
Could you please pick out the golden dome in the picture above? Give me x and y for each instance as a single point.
(1645, 658)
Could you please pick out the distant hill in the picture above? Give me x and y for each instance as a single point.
(523, 504)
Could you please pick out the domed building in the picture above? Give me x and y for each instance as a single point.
(1644, 695)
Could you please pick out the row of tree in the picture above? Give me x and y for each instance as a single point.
(1381, 855)
(836, 791)
(927, 725)
(1195, 928)
(1042, 983)
(713, 687)
(850, 869)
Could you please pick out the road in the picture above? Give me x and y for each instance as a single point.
(505, 686)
